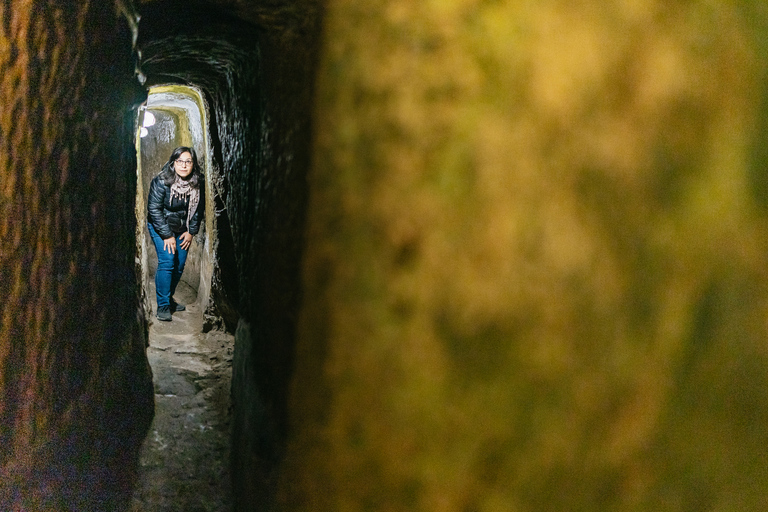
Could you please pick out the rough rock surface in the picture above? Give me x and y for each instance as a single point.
(184, 462)
(75, 386)
(536, 269)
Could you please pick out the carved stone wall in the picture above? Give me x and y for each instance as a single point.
(75, 386)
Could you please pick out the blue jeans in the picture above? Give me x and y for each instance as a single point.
(169, 268)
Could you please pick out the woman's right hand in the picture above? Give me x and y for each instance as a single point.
(169, 244)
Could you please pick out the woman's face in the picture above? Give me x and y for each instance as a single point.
(183, 164)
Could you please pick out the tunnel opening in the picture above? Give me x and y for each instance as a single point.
(173, 116)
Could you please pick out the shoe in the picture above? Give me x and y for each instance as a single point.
(175, 306)
(164, 314)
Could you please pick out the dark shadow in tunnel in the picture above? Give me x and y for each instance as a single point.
(257, 84)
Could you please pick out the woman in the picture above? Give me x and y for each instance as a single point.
(174, 213)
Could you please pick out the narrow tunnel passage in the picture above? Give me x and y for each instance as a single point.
(184, 462)
(253, 72)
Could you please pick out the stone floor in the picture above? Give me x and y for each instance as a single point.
(185, 457)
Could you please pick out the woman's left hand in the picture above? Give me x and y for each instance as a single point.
(186, 240)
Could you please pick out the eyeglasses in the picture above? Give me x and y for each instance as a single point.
(184, 162)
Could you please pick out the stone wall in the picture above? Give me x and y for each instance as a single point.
(535, 271)
(75, 386)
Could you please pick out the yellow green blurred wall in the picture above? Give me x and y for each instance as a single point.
(536, 259)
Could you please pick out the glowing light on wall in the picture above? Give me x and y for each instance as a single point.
(149, 119)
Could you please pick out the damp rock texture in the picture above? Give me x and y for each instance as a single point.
(75, 386)
(535, 262)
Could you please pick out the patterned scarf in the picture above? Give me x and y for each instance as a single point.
(184, 191)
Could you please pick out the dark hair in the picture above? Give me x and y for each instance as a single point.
(168, 174)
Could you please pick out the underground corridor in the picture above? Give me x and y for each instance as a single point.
(457, 256)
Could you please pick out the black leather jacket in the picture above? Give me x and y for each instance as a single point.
(171, 219)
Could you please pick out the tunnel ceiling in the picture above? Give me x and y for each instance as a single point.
(289, 18)
(180, 103)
